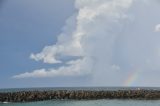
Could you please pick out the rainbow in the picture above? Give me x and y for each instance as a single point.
(132, 77)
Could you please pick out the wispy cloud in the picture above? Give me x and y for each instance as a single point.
(157, 28)
(76, 67)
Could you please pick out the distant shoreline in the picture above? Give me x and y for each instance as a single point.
(29, 96)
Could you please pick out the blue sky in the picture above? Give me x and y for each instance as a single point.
(79, 43)
(26, 27)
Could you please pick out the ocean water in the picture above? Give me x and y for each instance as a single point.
(89, 103)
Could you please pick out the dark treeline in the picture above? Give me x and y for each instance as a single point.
(28, 96)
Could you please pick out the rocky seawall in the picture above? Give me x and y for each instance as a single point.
(28, 96)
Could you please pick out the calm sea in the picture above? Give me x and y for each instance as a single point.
(88, 103)
(104, 102)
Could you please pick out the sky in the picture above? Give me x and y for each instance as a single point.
(74, 43)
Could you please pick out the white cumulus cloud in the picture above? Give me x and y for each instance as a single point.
(89, 34)
(108, 40)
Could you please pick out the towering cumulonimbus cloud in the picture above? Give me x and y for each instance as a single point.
(89, 35)
(106, 43)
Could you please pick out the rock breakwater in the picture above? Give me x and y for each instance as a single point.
(28, 96)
